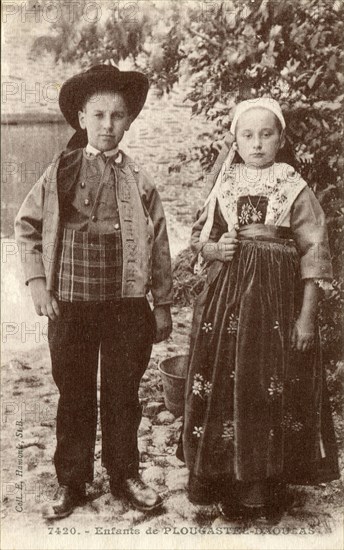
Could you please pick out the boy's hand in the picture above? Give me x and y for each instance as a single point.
(43, 299)
(163, 323)
(223, 250)
(302, 338)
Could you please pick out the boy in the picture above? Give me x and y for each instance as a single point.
(95, 242)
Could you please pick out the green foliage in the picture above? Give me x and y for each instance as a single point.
(291, 51)
(81, 36)
(186, 285)
(228, 51)
(335, 383)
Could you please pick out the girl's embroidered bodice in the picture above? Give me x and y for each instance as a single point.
(250, 195)
(252, 209)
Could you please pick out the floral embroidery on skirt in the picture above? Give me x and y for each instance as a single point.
(253, 407)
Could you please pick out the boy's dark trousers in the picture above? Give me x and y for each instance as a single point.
(123, 331)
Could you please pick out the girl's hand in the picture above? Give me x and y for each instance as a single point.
(163, 323)
(223, 250)
(43, 300)
(303, 334)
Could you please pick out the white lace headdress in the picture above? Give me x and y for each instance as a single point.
(210, 203)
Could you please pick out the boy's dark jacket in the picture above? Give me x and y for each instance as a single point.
(146, 254)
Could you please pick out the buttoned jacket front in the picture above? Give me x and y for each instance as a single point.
(146, 254)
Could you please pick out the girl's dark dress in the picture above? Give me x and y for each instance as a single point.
(256, 410)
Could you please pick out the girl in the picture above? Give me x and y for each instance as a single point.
(257, 412)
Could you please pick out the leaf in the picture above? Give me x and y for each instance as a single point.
(246, 12)
(312, 81)
(248, 31)
(326, 126)
(275, 31)
(304, 156)
(314, 40)
(233, 56)
(330, 105)
(332, 62)
(264, 9)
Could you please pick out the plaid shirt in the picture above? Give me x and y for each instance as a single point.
(89, 267)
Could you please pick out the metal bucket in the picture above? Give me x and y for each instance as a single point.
(173, 375)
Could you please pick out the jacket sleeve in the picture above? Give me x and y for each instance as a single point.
(161, 284)
(219, 227)
(308, 224)
(28, 231)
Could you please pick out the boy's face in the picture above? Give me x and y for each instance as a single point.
(258, 137)
(105, 117)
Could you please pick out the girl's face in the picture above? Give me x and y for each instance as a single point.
(258, 137)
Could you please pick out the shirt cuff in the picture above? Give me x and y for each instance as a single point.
(316, 264)
(158, 304)
(33, 267)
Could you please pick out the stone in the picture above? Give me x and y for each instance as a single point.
(177, 424)
(175, 435)
(165, 417)
(35, 432)
(15, 364)
(145, 426)
(33, 457)
(154, 474)
(107, 505)
(145, 462)
(106, 500)
(162, 437)
(143, 443)
(179, 505)
(177, 480)
(133, 517)
(33, 443)
(48, 423)
(153, 408)
(174, 461)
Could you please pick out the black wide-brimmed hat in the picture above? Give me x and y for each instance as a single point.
(75, 90)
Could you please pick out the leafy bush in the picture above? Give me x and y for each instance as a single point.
(335, 383)
(186, 285)
(291, 51)
(229, 51)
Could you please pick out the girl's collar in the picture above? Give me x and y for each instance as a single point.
(271, 174)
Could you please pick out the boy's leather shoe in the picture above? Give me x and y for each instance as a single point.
(140, 495)
(65, 500)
